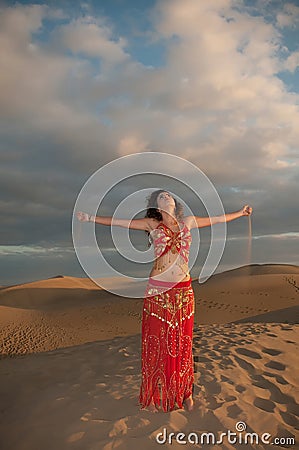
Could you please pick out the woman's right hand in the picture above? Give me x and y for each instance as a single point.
(83, 217)
(246, 210)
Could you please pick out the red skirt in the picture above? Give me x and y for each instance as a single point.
(166, 348)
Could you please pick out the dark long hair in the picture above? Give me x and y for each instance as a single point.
(152, 208)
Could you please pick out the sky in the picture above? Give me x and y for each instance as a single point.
(85, 83)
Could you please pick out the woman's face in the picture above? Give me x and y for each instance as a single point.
(165, 200)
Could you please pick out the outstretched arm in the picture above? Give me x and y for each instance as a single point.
(136, 224)
(200, 222)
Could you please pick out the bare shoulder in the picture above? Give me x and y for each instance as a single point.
(152, 223)
(145, 224)
(190, 222)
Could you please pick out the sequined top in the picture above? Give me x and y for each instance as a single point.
(166, 240)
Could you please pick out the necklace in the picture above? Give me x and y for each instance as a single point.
(173, 231)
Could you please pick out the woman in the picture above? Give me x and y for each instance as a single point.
(168, 306)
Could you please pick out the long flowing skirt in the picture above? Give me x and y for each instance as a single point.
(166, 346)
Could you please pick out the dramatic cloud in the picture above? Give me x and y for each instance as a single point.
(75, 94)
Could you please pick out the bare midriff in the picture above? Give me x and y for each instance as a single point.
(172, 272)
(172, 265)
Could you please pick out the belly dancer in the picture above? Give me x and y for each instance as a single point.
(167, 372)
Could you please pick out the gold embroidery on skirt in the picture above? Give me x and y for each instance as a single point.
(170, 310)
(167, 360)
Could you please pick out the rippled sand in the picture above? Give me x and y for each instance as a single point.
(70, 363)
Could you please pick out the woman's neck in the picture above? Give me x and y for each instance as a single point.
(169, 219)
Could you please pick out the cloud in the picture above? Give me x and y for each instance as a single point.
(131, 144)
(92, 38)
(289, 16)
(292, 62)
(73, 97)
(31, 78)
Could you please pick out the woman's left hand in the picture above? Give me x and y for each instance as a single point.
(246, 210)
(83, 217)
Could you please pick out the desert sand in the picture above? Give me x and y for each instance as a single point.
(70, 365)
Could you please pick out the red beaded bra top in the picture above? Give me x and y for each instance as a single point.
(165, 240)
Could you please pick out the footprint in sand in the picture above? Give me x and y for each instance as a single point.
(279, 397)
(271, 351)
(275, 365)
(278, 378)
(224, 378)
(217, 347)
(249, 353)
(214, 355)
(245, 365)
(230, 398)
(275, 393)
(240, 388)
(289, 419)
(293, 408)
(265, 405)
(201, 359)
(213, 404)
(281, 380)
(234, 411)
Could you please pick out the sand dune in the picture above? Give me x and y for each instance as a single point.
(261, 269)
(70, 364)
(66, 311)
